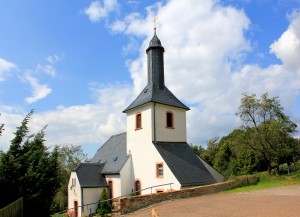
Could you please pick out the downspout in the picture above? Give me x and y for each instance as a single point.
(82, 204)
(154, 123)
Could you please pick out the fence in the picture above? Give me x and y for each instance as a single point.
(87, 206)
(14, 209)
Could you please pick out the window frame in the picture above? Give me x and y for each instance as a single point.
(158, 170)
(136, 121)
(172, 120)
(135, 190)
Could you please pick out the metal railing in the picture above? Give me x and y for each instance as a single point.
(136, 193)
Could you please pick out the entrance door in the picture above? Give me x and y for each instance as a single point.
(76, 208)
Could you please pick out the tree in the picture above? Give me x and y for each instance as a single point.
(267, 129)
(69, 158)
(103, 207)
(211, 151)
(1, 128)
(198, 150)
(29, 170)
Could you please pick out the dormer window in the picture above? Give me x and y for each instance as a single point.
(138, 121)
(170, 120)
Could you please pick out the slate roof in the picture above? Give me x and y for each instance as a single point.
(151, 93)
(89, 175)
(112, 154)
(184, 164)
(155, 42)
(155, 91)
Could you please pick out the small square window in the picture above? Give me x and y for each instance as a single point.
(159, 170)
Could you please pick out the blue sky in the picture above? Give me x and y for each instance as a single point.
(80, 63)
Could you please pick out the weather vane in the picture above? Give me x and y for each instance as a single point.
(154, 22)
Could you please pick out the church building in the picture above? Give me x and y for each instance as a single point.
(152, 152)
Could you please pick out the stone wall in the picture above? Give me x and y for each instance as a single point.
(125, 205)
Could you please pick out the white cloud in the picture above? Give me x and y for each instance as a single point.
(202, 50)
(53, 59)
(205, 50)
(39, 91)
(47, 69)
(77, 125)
(287, 47)
(5, 67)
(97, 11)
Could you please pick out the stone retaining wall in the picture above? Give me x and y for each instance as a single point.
(125, 205)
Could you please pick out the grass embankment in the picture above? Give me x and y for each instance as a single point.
(267, 181)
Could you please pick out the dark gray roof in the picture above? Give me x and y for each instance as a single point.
(184, 164)
(152, 93)
(155, 42)
(89, 175)
(113, 154)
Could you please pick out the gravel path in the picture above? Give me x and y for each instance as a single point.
(273, 202)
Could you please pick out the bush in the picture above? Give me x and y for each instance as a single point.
(104, 206)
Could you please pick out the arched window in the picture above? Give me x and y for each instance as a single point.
(110, 189)
(137, 187)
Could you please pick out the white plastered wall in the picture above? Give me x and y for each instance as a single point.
(90, 195)
(127, 177)
(176, 134)
(144, 154)
(116, 183)
(74, 193)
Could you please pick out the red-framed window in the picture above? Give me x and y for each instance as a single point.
(169, 120)
(137, 187)
(159, 170)
(138, 121)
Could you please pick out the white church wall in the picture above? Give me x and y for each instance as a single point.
(116, 184)
(135, 136)
(144, 154)
(90, 195)
(176, 134)
(127, 177)
(74, 193)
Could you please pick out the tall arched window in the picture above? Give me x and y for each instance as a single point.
(110, 189)
(137, 187)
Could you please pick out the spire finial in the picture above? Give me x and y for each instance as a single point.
(154, 23)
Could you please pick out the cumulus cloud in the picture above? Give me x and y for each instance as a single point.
(39, 91)
(5, 67)
(82, 124)
(98, 10)
(287, 47)
(205, 50)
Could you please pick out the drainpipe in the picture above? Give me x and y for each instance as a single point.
(154, 123)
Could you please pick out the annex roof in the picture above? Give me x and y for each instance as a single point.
(112, 154)
(184, 163)
(89, 175)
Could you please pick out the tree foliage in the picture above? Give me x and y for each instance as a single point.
(268, 130)
(29, 170)
(69, 158)
(104, 206)
(1, 128)
(263, 142)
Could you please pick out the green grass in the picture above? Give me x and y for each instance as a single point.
(267, 181)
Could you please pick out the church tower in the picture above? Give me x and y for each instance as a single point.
(155, 116)
(156, 110)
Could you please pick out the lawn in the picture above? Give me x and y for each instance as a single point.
(267, 181)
